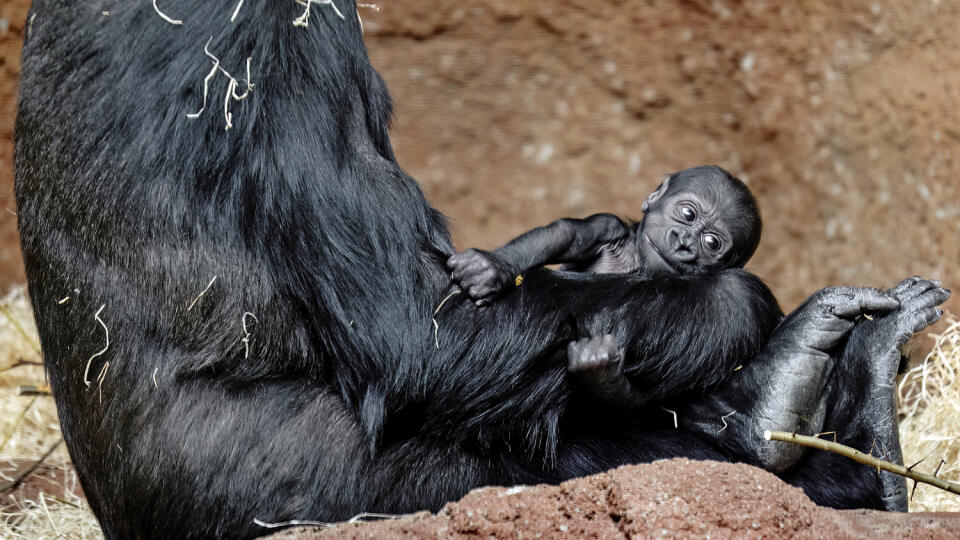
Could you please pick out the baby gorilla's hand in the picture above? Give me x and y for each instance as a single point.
(599, 358)
(597, 363)
(481, 273)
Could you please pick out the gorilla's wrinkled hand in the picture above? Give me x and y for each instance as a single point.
(824, 321)
(918, 299)
(481, 274)
(801, 353)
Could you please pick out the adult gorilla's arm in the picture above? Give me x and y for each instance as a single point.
(690, 334)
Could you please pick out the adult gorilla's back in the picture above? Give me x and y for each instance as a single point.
(269, 289)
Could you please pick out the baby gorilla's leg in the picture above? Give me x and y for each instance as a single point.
(597, 363)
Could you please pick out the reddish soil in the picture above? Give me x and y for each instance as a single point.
(841, 115)
(667, 499)
(511, 113)
(13, 15)
(53, 480)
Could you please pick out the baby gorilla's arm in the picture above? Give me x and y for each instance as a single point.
(485, 274)
(598, 364)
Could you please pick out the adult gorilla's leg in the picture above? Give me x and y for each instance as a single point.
(805, 375)
(862, 407)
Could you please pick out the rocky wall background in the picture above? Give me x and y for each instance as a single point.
(840, 115)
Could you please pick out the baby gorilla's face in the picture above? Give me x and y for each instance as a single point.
(688, 226)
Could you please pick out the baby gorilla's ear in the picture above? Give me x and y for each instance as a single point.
(657, 194)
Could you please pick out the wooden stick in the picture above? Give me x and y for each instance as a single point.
(22, 476)
(31, 390)
(860, 457)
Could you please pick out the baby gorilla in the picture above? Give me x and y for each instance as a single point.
(698, 220)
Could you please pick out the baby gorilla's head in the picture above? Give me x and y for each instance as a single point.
(698, 220)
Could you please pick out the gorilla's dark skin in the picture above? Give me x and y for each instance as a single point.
(698, 220)
(340, 398)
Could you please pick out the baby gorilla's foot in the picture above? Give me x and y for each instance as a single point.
(597, 363)
(883, 338)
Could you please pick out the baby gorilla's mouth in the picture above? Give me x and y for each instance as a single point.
(656, 249)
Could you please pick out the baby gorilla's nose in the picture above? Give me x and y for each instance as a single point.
(682, 245)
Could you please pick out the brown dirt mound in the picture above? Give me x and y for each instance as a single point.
(674, 498)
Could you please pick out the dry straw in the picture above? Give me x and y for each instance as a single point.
(930, 424)
(32, 427)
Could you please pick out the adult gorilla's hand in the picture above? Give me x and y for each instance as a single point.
(919, 299)
(823, 322)
(784, 388)
(803, 349)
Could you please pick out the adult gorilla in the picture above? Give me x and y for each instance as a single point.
(306, 380)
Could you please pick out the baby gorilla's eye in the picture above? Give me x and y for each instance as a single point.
(711, 241)
(688, 213)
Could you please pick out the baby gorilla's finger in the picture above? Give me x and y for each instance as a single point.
(575, 351)
(460, 270)
(600, 353)
(453, 261)
(852, 302)
(612, 348)
(479, 292)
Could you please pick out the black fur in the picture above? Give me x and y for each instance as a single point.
(336, 399)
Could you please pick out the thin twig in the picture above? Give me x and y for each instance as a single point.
(236, 11)
(62, 501)
(436, 326)
(724, 420)
(676, 424)
(100, 378)
(246, 333)
(359, 518)
(86, 371)
(231, 87)
(860, 457)
(203, 292)
(9, 486)
(163, 16)
(374, 7)
(31, 390)
(206, 88)
(304, 19)
(292, 522)
(20, 363)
